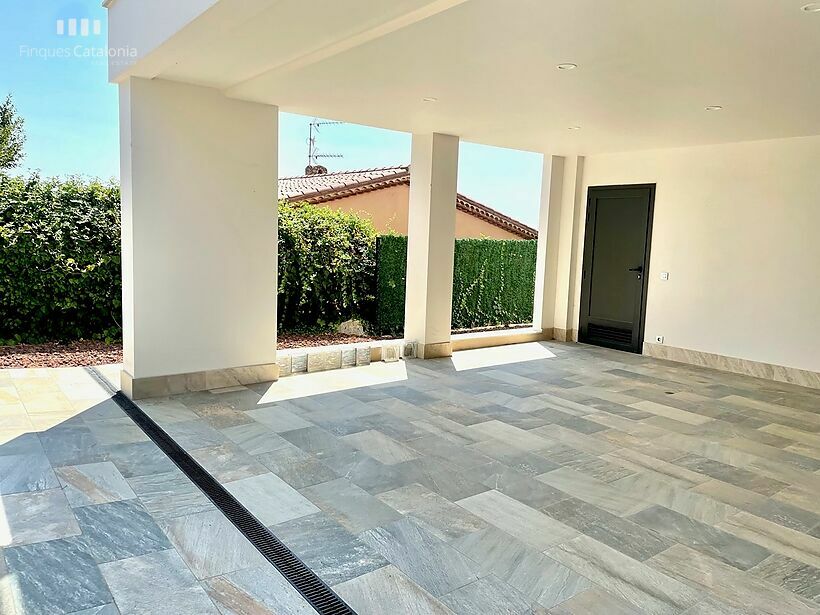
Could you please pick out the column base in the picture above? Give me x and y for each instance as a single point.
(565, 335)
(434, 351)
(161, 386)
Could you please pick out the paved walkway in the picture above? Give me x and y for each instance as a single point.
(543, 478)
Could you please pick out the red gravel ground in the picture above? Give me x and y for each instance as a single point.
(56, 354)
(83, 353)
(304, 340)
(80, 354)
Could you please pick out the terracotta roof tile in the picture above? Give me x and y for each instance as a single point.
(318, 189)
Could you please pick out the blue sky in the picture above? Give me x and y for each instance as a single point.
(71, 116)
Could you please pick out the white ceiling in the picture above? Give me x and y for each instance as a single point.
(647, 68)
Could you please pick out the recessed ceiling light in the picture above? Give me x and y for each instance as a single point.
(567, 66)
(714, 108)
(573, 128)
(430, 99)
(813, 7)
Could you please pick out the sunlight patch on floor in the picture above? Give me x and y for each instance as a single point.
(10, 597)
(333, 381)
(500, 355)
(14, 422)
(5, 533)
(36, 400)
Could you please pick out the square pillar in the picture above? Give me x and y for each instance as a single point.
(199, 235)
(560, 229)
(575, 197)
(546, 262)
(431, 230)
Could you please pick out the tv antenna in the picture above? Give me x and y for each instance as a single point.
(313, 166)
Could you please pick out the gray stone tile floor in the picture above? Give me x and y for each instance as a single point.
(547, 478)
(95, 520)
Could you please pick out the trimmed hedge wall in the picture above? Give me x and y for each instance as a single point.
(326, 264)
(59, 260)
(391, 272)
(493, 283)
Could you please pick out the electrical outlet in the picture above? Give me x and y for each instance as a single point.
(659, 339)
(664, 275)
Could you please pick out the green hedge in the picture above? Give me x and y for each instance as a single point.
(326, 265)
(60, 268)
(493, 283)
(60, 263)
(391, 271)
(59, 260)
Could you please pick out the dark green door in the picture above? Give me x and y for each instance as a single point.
(616, 258)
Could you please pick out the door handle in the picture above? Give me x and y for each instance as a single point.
(638, 269)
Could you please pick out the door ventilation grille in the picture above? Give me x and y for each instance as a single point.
(610, 334)
(323, 599)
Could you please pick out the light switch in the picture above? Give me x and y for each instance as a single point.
(664, 275)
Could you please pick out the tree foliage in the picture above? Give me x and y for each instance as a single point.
(12, 136)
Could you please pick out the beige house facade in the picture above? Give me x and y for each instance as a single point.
(383, 197)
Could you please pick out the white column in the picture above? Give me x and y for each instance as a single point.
(199, 218)
(578, 202)
(431, 231)
(546, 264)
(559, 229)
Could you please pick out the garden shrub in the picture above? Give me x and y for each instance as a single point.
(59, 260)
(326, 267)
(493, 283)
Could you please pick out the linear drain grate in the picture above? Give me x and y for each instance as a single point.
(315, 591)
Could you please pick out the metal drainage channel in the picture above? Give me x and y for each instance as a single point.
(315, 591)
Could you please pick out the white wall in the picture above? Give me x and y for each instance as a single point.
(738, 229)
(199, 176)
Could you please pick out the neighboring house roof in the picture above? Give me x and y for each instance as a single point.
(327, 187)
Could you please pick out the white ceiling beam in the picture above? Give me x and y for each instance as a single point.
(129, 18)
(247, 87)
